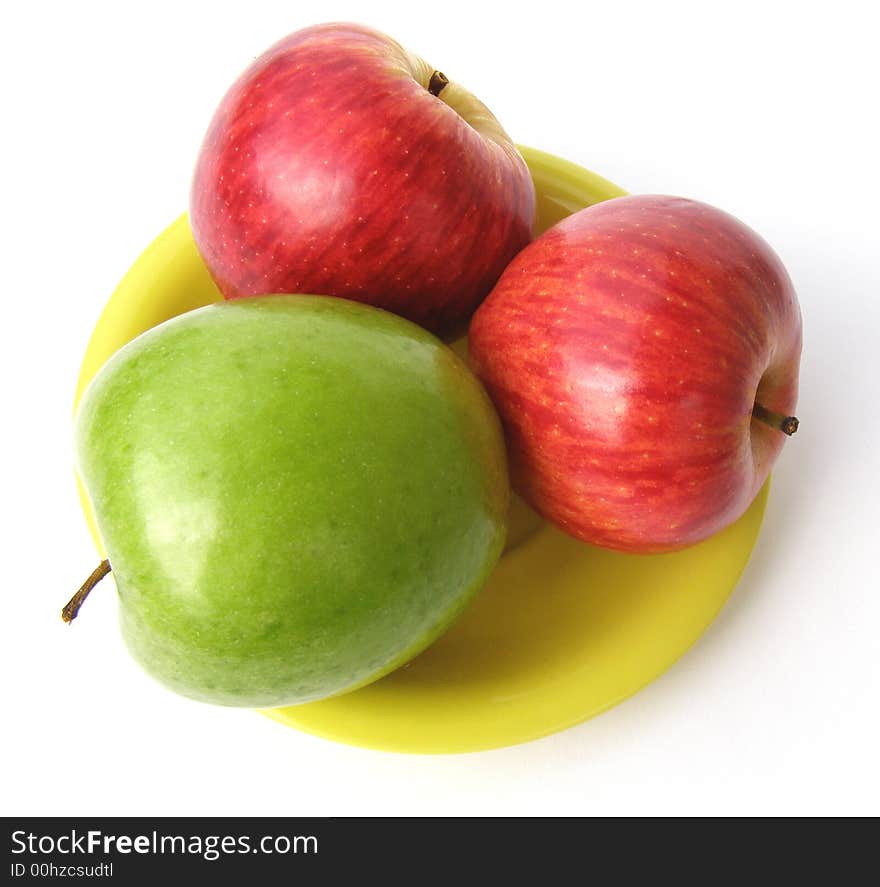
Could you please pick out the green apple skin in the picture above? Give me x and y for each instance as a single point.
(297, 494)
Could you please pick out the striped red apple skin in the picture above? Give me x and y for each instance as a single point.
(329, 167)
(625, 350)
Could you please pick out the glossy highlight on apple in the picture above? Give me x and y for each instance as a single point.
(310, 503)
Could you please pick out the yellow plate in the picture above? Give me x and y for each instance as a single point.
(561, 632)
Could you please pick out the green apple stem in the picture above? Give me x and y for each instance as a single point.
(71, 608)
(786, 424)
(437, 82)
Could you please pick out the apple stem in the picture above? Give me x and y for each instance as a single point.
(437, 82)
(71, 608)
(786, 424)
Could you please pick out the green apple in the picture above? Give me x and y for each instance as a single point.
(296, 495)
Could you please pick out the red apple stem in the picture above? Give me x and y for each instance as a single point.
(786, 424)
(437, 83)
(71, 608)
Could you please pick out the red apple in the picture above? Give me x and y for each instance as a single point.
(341, 164)
(643, 355)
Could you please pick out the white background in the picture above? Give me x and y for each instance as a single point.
(766, 109)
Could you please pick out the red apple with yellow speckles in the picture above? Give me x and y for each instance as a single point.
(340, 163)
(643, 355)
